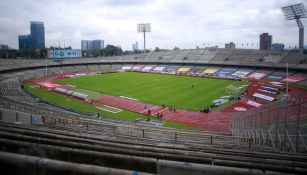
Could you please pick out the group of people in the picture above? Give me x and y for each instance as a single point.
(172, 109)
(205, 110)
(159, 115)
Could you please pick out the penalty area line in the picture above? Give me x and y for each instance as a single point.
(115, 110)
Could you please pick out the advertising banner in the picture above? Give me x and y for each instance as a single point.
(257, 75)
(210, 71)
(147, 68)
(73, 53)
(224, 73)
(159, 68)
(183, 69)
(240, 73)
(294, 79)
(126, 67)
(264, 97)
(274, 77)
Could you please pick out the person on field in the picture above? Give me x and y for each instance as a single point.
(149, 111)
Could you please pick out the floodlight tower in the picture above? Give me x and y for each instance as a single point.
(143, 28)
(295, 12)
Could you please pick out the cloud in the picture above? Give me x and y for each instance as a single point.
(125, 2)
(174, 23)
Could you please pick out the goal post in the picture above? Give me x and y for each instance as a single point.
(233, 91)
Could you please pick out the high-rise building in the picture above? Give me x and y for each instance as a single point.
(278, 47)
(84, 45)
(97, 44)
(265, 41)
(24, 42)
(4, 47)
(37, 34)
(230, 45)
(135, 46)
(34, 40)
(92, 44)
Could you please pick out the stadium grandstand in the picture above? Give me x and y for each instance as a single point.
(263, 133)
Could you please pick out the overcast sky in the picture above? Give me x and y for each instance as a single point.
(181, 23)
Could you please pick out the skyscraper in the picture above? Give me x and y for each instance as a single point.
(37, 34)
(135, 46)
(92, 45)
(34, 40)
(278, 47)
(265, 41)
(24, 42)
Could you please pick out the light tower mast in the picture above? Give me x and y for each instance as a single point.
(143, 28)
(296, 12)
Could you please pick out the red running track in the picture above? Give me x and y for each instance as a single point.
(215, 121)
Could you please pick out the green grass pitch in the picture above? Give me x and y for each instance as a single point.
(170, 90)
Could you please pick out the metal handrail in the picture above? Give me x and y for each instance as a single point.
(274, 146)
(299, 133)
(290, 140)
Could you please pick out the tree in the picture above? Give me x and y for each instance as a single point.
(42, 52)
(111, 50)
(176, 48)
(157, 49)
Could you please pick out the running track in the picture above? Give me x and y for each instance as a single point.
(215, 121)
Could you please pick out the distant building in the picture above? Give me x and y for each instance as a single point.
(265, 41)
(230, 45)
(24, 42)
(278, 47)
(35, 40)
(4, 47)
(135, 46)
(92, 44)
(37, 34)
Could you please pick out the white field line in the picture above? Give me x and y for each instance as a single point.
(113, 107)
(70, 85)
(109, 110)
(129, 98)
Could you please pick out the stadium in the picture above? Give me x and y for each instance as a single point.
(57, 113)
(207, 110)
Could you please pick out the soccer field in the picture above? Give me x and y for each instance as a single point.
(181, 92)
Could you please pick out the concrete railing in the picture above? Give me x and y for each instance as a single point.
(30, 165)
(144, 158)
